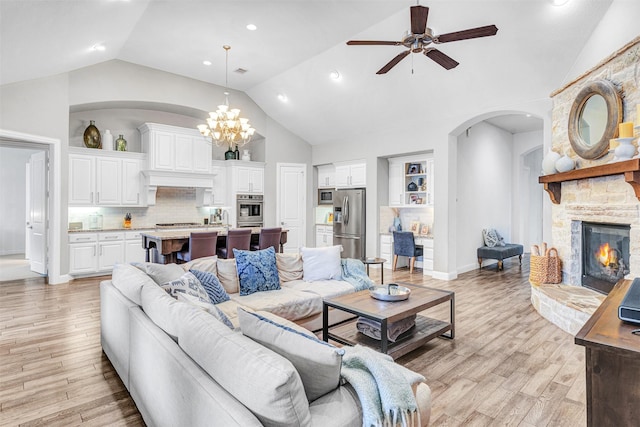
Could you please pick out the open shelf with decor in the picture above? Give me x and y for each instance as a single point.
(411, 182)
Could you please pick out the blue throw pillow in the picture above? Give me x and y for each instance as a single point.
(257, 270)
(212, 285)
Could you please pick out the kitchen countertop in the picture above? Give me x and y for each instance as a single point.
(150, 228)
(421, 236)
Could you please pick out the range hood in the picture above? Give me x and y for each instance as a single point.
(202, 182)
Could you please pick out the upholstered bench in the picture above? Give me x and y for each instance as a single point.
(500, 253)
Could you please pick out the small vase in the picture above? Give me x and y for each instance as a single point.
(565, 164)
(549, 162)
(246, 156)
(625, 150)
(121, 143)
(229, 154)
(396, 224)
(236, 153)
(107, 141)
(92, 136)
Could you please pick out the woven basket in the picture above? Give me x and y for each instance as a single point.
(545, 268)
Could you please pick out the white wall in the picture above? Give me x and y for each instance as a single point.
(617, 28)
(527, 192)
(484, 185)
(13, 195)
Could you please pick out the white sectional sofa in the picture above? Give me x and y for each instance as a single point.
(182, 366)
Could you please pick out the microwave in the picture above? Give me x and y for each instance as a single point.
(325, 197)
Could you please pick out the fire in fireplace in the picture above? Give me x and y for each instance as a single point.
(605, 255)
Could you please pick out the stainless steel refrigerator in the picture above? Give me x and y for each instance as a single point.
(349, 222)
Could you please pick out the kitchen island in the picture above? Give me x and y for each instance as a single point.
(162, 246)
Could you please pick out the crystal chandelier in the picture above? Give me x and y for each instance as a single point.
(225, 126)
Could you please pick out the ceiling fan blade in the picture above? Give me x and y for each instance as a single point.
(444, 60)
(419, 15)
(472, 33)
(393, 62)
(372, 43)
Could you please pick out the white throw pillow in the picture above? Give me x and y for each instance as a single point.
(321, 263)
(228, 275)
(207, 264)
(490, 237)
(163, 310)
(186, 284)
(317, 362)
(130, 280)
(289, 267)
(160, 273)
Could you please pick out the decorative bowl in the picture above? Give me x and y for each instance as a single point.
(390, 292)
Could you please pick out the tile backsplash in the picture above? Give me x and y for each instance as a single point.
(172, 205)
(407, 216)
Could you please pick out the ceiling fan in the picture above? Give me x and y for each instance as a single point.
(421, 37)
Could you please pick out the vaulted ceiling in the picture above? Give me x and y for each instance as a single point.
(298, 43)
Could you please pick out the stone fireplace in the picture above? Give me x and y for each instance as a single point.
(604, 255)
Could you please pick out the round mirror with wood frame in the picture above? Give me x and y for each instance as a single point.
(594, 119)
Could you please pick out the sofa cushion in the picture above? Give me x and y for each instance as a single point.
(129, 280)
(163, 310)
(257, 271)
(263, 381)
(317, 362)
(160, 273)
(323, 288)
(207, 307)
(230, 309)
(211, 284)
(321, 263)
(289, 266)
(288, 303)
(228, 275)
(186, 284)
(208, 264)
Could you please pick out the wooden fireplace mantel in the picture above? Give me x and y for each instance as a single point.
(630, 168)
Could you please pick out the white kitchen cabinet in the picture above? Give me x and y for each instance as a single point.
(326, 176)
(98, 178)
(220, 193)
(427, 257)
(396, 186)
(131, 182)
(324, 236)
(248, 179)
(92, 253)
(173, 148)
(351, 174)
(110, 250)
(83, 253)
(133, 250)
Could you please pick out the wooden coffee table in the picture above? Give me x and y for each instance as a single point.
(362, 304)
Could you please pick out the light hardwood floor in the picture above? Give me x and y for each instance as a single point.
(506, 366)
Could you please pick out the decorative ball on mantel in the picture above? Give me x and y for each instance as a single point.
(549, 162)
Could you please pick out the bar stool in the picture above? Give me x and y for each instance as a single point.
(405, 245)
(239, 238)
(268, 237)
(200, 245)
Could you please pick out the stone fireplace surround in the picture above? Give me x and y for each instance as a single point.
(607, 199)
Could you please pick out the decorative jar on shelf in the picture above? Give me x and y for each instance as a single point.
(229, 154)
(549, 162)
(107, 141)
(246, 155)
(565, 164)
(121, 143)
(91, 136)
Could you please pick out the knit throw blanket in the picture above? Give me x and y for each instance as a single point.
(383, 388)
(353, 272)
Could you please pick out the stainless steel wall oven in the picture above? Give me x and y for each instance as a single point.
(249, 210)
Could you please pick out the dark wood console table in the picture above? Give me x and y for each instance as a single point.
(612, 364)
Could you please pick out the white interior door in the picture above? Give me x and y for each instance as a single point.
(292, 196)
(37, 227)
(27, 212)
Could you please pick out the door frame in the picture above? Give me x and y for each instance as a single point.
(10, 138)
(305, 213)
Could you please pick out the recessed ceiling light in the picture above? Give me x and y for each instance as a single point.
(205, 62)
(282, 97)
(251, 27)
(98, 47)
(559, 2)
(335, 75)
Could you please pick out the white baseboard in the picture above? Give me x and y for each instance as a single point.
(444, 276)
(11, 252)
(57, 280)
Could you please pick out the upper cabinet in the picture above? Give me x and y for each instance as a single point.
(99, 178)
(326, 176)
(247, 179)
(172, 148)
(411, 182)
(351, 174)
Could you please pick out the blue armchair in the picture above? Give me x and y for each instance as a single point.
(405, 245)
